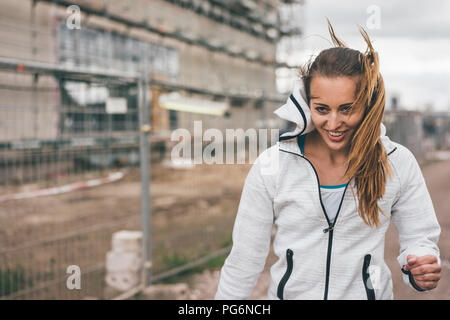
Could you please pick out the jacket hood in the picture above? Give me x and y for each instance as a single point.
(296, 110)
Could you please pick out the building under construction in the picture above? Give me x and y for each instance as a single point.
(209, 60)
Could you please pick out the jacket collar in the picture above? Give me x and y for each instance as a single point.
(296, 110)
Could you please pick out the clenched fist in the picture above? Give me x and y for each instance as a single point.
(425, 270)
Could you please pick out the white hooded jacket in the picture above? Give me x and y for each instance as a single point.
(319, 259)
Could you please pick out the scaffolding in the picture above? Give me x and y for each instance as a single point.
(218, 11)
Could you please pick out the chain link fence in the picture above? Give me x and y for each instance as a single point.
(64, 132)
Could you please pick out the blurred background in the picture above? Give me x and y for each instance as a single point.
(92, 205)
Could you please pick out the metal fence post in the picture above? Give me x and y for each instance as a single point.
(144, 147)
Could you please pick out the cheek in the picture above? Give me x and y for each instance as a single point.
(355, 119)
(317, 119)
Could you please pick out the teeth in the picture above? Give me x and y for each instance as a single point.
(335, 134)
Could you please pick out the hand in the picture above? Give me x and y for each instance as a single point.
(425, 270)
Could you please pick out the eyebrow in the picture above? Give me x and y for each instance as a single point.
(342, 105)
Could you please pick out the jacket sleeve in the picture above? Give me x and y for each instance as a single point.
(413, 215)
(251, 234)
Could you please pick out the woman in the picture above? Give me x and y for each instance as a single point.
(331, 187)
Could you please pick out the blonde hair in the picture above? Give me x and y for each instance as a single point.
(368, 162)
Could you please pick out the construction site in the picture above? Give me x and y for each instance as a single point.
(92, 93)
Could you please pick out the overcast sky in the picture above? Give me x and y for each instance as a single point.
(412, 38)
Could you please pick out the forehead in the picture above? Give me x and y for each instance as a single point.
(333, 90)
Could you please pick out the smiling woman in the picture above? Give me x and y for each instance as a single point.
(330, 242)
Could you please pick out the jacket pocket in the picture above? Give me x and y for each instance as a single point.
(366, 278)
(287, 274)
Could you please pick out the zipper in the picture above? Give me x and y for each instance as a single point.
(287, 274)
(329, 229)
(366, 278)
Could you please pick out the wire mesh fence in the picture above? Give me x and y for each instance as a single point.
(71, 175)
(60, 137)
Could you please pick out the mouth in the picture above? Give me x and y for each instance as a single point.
(336, 136)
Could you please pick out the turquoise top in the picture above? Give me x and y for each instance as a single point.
(302, 143)
(302, 148)
(337, 186)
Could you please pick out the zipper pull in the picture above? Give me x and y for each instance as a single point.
(328, 229)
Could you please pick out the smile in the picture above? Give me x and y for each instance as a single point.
(336, 135)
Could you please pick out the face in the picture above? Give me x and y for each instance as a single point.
(330, 103)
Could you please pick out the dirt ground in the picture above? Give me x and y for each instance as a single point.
(192, 214)
(437, 177)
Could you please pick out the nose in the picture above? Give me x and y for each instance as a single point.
(334, 121)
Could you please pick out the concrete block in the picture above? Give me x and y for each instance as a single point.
(123, 261)
(123, 280)
(126, 240)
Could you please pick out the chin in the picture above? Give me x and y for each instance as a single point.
(336, 146)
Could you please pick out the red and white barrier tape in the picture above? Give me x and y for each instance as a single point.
(63, 189)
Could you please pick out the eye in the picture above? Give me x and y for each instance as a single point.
(347, 109)
(321, 109)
